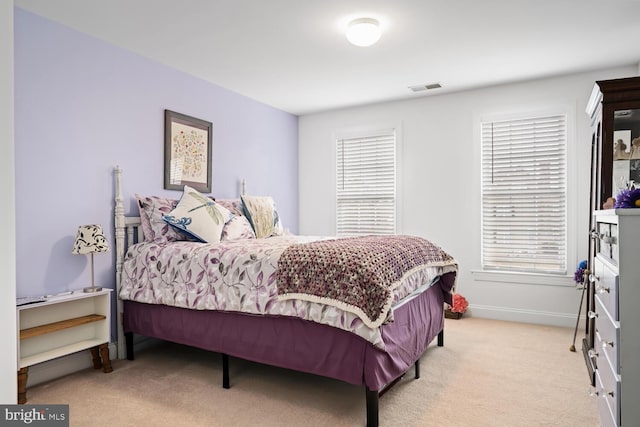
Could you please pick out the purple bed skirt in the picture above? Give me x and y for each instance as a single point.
(299, 344)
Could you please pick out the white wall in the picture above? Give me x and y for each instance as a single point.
(8, 366)
(439, 195)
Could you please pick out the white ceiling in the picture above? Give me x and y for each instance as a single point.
(292, 54)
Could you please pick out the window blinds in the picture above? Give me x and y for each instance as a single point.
(524, 195)
(366, 185)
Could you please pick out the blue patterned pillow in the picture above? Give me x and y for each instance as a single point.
(198, 216)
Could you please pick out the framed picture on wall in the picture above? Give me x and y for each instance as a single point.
(187, 152)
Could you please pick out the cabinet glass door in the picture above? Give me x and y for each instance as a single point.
(626, 149)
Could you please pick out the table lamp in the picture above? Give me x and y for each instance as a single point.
(90, 240)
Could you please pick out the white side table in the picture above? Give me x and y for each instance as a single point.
(62, 325)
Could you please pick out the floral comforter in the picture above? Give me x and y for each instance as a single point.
(238, 275)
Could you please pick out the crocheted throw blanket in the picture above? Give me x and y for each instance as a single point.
(356, 274)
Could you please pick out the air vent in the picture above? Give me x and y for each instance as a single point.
(420, 88)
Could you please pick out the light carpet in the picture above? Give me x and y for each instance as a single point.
(489, 373)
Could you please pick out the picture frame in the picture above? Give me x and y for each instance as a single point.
(188, 158)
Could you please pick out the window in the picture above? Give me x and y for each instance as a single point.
(524, 195)
(366, 184)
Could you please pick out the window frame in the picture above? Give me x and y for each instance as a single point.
(367, 131)
(523, 277)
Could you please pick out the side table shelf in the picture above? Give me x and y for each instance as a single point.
(60, 326)
(57, 326)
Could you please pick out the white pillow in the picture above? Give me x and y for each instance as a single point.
(263, 216)
(198, 216)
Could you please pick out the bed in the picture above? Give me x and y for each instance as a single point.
(245, 297)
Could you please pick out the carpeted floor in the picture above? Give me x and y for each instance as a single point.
(489, 373)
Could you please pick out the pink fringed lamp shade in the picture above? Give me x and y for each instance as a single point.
(90, 240)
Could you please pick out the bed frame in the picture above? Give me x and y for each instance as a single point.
(330, 352)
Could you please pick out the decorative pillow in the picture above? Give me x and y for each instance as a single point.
(152, 208)
(234, 205)
(198, 216)
(237, 228)
(262, 215)
(144, 219)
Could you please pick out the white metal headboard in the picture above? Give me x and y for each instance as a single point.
(128, 231)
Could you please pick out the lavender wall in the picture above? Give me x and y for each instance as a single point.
(83, 106)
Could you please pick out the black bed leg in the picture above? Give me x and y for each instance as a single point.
(417, 365)
(128, 338)
(225, 371)
(441, 338)
(372, 407)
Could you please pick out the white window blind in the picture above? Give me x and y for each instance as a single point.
(524, 195)
(366, 185)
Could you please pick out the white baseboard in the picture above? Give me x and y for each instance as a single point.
(141, 342)
(524, 316)
(56, 368)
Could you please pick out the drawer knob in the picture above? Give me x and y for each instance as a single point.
(592, 314)
(602, 290)
(593, 278)
(594, 392)
(592, 353)
(606, 344)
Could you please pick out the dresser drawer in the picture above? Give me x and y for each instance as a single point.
(610, 389)
(608, 332)
(606, 414)
(606, 287)
(607, 240)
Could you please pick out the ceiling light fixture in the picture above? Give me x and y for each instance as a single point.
(363, 32)
(419, 88)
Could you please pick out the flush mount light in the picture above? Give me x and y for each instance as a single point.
(420, 88)
(363, 31)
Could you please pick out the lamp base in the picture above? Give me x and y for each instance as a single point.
(92, 289)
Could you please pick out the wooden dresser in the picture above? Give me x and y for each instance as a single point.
(616, 315)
